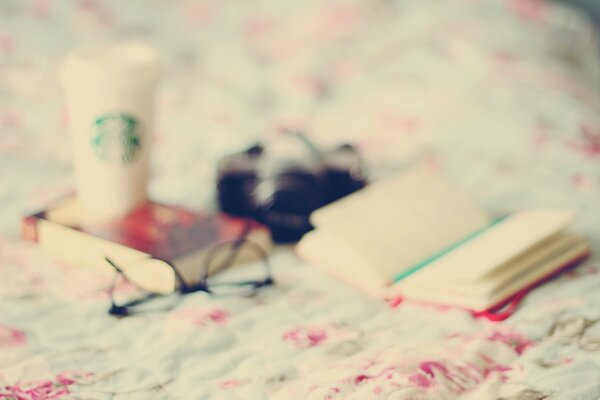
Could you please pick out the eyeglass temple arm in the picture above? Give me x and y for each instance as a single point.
(112, 264)
(116, 310)
(237, 244)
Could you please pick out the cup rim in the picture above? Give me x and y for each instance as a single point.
(93, 61)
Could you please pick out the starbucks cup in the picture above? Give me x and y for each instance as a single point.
(110, 95)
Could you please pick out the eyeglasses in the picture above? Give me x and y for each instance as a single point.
(160, 284)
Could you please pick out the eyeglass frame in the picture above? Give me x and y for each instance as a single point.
(183, 288)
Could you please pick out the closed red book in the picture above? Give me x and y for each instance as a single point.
(153, 230)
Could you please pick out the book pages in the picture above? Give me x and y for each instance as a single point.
(399, 222)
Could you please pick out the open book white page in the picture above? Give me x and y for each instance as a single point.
(470, 296)
(497, 246)
(397, 223)
(342, 261)
(515, 270)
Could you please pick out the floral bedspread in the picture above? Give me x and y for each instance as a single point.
(502, 96)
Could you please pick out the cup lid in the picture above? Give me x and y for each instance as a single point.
(116, 61)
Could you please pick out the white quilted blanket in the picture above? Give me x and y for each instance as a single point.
(501, 95)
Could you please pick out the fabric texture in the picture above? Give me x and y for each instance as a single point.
(590, 7)
(500, 96)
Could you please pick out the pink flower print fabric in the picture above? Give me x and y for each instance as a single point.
(306, 336)
(11, 337)
(50, 389)
(421, 371)
(500, 96)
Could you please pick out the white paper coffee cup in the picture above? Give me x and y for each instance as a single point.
(110, 93)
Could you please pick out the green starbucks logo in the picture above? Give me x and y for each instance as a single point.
(116, 138)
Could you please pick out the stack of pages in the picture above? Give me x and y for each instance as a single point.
(417, 237)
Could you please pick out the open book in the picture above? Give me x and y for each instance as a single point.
(417, 237)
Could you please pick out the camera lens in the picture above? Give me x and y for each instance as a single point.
(285, 204)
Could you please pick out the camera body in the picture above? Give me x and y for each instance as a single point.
(282, 190)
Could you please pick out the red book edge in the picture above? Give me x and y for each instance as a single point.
(29, 227)
(506, 307)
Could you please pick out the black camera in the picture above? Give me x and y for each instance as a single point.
(281, 185)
